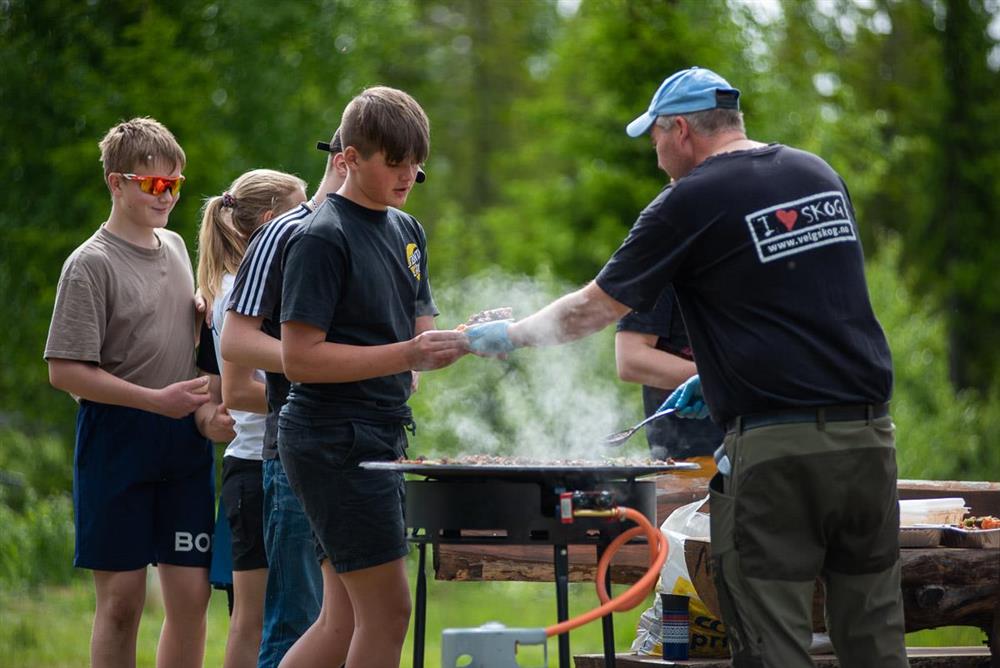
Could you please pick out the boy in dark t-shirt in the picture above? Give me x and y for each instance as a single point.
(250, 340)
(357, 318)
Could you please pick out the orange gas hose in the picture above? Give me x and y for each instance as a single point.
(635, 594)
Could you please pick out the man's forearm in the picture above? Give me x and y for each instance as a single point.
(569, 318)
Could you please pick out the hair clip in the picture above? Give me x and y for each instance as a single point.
(228, 201)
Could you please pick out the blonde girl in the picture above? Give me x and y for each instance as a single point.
(228, 221)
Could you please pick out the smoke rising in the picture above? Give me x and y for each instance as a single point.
(557, 402)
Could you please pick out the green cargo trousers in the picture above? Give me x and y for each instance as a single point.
(803, 501)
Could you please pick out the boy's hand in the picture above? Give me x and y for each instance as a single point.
(215, 423)
(182, 398)
(436, 348)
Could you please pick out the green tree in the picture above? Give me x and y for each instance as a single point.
(574, 182)
(916, 129)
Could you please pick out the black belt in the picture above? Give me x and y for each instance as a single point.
(819, 415)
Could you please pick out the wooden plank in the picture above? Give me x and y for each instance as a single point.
(922, 657)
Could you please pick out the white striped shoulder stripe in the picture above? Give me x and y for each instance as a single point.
(262, 254)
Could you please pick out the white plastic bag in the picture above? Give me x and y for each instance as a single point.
(707, 632)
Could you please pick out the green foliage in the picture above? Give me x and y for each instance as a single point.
(578, 184)
(36, 513)
(38, 463)
(941, 435)
(36, 544)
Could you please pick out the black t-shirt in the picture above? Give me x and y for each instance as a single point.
(361, 276)
(257, 292)
(762, 249)
(670, 436)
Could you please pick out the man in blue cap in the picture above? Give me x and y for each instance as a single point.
(760, 243)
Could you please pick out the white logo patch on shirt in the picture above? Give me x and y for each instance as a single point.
(801, 225)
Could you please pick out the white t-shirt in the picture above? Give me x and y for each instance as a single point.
(249, 427)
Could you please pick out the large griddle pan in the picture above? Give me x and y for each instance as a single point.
(553, 471)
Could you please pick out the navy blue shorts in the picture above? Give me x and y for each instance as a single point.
(143, 490)
(355, 514)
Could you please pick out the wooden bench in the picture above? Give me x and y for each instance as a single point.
(924, 657)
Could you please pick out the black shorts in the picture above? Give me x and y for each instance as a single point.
(243, 496)
(356, 514)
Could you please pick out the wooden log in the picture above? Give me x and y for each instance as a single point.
(533, 563)
(941, 586)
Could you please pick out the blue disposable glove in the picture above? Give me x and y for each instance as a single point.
(687, 400)
(490, 338)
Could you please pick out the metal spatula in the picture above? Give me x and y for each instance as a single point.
(618, 438)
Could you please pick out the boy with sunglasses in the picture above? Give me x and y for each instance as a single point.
(357, 317)
(121, 341)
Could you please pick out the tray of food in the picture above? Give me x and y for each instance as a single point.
(924, 512)
(920, 536)
(974, 532)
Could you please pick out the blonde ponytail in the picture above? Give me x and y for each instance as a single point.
(229, 219)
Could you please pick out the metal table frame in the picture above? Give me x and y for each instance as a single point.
(424, 518)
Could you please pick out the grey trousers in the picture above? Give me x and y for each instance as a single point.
(807, 501)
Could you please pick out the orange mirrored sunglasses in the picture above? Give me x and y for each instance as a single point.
(155, 185)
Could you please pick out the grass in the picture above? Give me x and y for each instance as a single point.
(49, 627)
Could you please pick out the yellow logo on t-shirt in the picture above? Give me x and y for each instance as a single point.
(413, 259)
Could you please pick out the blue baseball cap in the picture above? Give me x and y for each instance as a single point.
(684, 92)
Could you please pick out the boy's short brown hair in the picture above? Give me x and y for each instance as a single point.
(336, 142)
(130, 145)
(388, 120)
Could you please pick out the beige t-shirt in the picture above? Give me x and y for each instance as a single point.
(127, 308)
